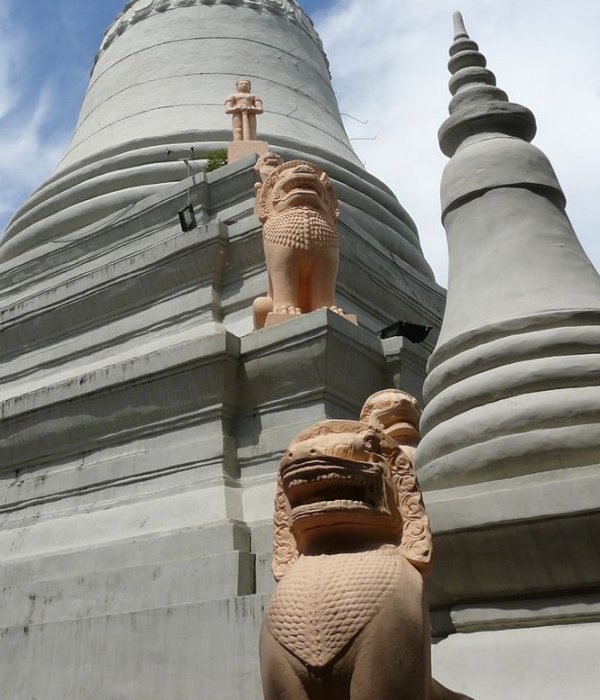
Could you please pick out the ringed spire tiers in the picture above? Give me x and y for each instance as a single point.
(156, 92)
(510, 452)
(477, 104)
(513, 385)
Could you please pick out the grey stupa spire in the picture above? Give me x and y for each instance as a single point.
(513, 385)
(477, 105)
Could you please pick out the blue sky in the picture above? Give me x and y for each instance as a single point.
(388, 60)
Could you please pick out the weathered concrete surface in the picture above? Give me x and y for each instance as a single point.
(548, 663)
(184, 652)
(142, 427)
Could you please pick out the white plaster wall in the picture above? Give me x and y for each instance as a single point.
(545, 663)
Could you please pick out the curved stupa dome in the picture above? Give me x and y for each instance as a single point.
(157, 90)
(165, 68)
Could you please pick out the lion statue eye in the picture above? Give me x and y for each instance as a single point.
(371, 443)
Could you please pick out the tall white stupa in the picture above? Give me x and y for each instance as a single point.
(142, 419)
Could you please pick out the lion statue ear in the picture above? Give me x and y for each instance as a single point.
(259, 206)
(416, 543)
(285, 551)
(331, 196)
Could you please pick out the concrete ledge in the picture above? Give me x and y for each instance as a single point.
(144, 547)
(526, 613)
(128, 588)
(116, 402)
(523, 536)
(551, 556)
(180, 651)
(530, 497)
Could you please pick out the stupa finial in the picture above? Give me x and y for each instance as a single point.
(460, 31)
(477, 105)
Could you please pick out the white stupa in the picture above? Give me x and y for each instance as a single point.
(143, 420)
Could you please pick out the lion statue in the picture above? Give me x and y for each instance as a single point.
(348, 618)
(298, 209)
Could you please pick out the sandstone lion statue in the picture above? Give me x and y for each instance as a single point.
(348, 619)
(298, 209)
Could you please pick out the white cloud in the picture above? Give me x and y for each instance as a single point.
(27, 153)
(10, 49)
(389, 66)
(26, 156)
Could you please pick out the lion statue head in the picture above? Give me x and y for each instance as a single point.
(268, 162)
(297, 206)
(347, 486)
(397, 414)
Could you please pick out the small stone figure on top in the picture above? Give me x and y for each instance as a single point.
(244, 106)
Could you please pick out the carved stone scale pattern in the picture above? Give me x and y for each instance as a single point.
(131, 16)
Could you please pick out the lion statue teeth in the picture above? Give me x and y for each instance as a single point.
(298, 209)
(348, 619)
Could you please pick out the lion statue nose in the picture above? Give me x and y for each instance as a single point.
(304, 451)
(304, 168)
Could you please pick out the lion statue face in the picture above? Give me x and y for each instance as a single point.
(347, 486)
(293, 185)
(394, 412)
(337, 481)
(267, 163)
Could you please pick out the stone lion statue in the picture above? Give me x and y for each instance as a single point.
(298, 209)
(348, 618)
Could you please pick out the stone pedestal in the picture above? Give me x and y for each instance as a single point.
(237, 150)
(274, 319)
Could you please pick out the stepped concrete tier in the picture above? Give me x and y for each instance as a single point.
(157, 91)
(510, 456)
(142, 419)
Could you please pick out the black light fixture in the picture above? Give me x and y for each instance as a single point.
(415, 332)
(187, 218)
